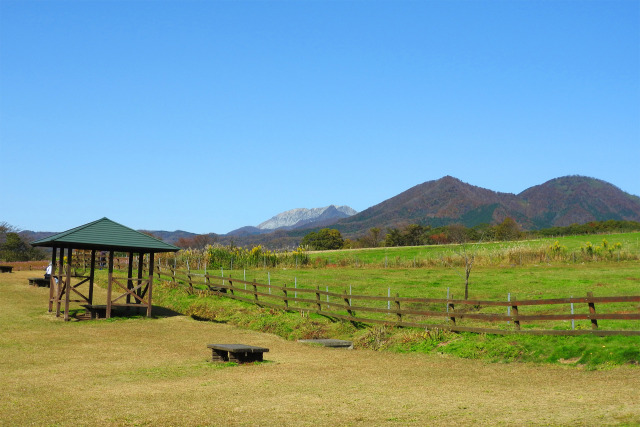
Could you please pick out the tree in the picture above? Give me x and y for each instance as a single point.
(394, 237)
(508, 230)
(468, 256)
(15, 248)
(371, 239)
(375, 236)
(415, 235)
(200, 241)
(6, 228)
(325, 239)
(457, 233)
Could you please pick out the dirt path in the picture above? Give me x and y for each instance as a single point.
(156, 372)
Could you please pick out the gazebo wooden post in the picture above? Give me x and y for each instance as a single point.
(109, 284)
(59, 283)
(52, 279)
(150, 291)
(92, 275)
(140, 271)
(67, 294)
(130, 276)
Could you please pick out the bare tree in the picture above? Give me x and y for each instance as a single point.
(201, 241)
(468, 256)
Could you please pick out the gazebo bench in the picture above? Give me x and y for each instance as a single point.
(239, 353)
(39, 281)
(6, 268)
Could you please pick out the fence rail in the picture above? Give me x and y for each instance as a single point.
(429, 313)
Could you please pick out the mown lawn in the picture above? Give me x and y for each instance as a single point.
(138, 371)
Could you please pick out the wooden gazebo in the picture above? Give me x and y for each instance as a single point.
(102, 236)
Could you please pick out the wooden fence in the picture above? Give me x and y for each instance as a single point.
(430, 313)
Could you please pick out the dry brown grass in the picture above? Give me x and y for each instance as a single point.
(156, 372)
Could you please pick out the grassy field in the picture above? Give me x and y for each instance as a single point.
(488, 252)
(488, 282)
(499, 268)
(141, 371)
(494, 280)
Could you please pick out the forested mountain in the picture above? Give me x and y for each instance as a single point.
(577, 200)
(558, 202)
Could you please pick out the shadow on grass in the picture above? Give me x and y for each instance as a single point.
(157, 312)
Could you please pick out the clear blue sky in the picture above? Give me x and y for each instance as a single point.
(207, 116)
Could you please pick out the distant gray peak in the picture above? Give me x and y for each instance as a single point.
(294, 216)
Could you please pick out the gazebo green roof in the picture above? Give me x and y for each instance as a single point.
(105, 234)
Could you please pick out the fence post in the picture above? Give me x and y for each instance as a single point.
(398, 314)
(231, 286)
(592, 311)
(286, 300)
(514, 308)
(255, 291)
(451, 311)
(190, 281)
(447, 305)
(573, 321)
(328, 298)
(318, 304)
(348, 302)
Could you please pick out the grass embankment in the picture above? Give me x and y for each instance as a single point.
(489, 283)
(155, 372)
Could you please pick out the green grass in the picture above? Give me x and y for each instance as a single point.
(415, 255)
(604, 279)
(586, 351)
(527, 282)
(581, 351)
(494, 280)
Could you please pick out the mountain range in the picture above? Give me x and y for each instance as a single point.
(559, 202)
